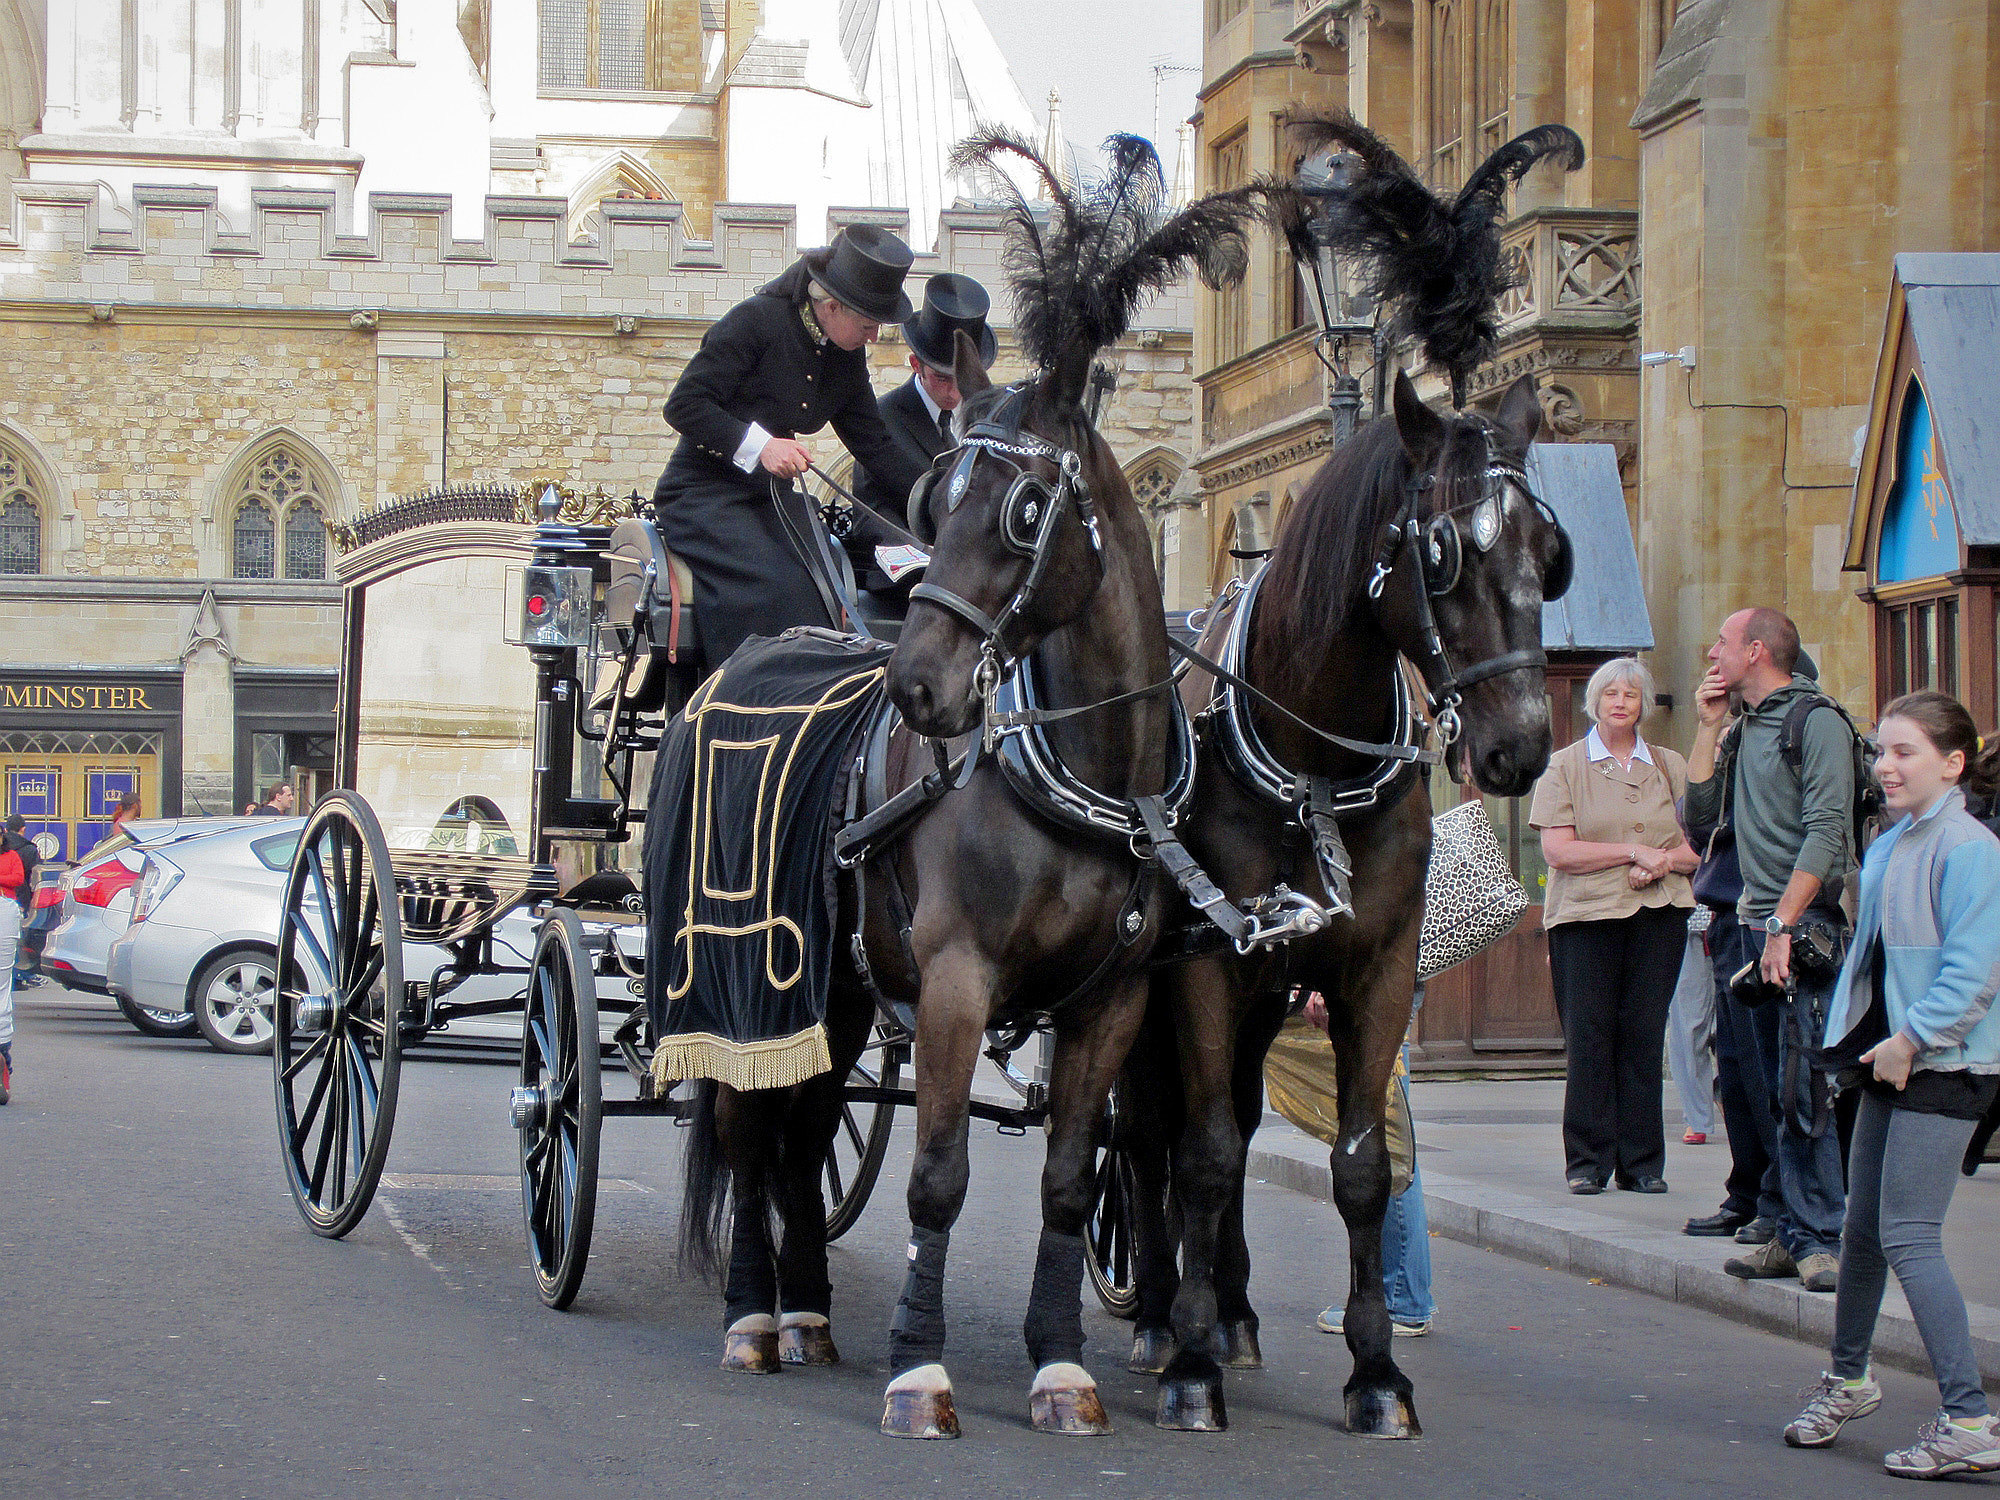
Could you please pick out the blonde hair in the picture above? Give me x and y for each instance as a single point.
(1618, 669)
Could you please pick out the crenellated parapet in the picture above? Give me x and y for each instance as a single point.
(171, 248)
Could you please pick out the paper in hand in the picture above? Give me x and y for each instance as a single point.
(900, 560)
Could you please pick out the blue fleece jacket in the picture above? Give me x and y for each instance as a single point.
(1931, 888)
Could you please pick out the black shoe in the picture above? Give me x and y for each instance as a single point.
(1716, 1225)
(1585, 1187)
(1645, 1185)
(1758, 1231)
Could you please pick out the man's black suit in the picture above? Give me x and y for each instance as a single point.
(910, 423)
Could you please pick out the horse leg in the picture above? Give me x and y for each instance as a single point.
(1380, 1399)
(805, 1293)
(1148, 1119)
(1064, 1398)
(747, 1123)
(1237, 1323)
(1208, 1163)
(951, 1026)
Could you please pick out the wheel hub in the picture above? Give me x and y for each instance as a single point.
(313, 1013)
(528, 1106)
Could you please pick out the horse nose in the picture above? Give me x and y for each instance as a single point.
(1496, 767)
(918, 706)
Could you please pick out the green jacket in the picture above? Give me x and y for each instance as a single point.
(1785, 820)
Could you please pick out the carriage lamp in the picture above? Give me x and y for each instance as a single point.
(552, 607)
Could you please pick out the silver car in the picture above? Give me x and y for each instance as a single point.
(203, 939)
(97, 897)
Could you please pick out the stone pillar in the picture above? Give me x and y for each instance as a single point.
(409, 412)
(1601, 90)
(1379, 61)
(208, 716)
(1538, 93)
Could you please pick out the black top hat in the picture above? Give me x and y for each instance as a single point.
(951, 302)
(864, 269)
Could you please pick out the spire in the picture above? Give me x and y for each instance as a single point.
(1055, 150)
(1183, 193)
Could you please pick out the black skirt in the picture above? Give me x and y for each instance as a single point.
(750, 577)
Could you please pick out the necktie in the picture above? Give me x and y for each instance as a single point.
(944, 429)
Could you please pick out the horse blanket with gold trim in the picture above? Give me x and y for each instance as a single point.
(739, 858)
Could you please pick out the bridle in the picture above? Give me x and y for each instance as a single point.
(1029, 514)
(1433, 541)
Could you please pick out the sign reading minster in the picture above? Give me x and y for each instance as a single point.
(90, 694)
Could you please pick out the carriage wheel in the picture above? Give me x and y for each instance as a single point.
(336, 1050)
(854, 1160)
(558, 1107)
(1108, 1233)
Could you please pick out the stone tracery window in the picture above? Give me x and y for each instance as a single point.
(20, 516)
(279, 526)
(1465, 76)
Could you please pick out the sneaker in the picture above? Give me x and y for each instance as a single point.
(1943, 1448)
(1334, 1320)
(1829, 1406)
(1694, 1138)
(1819, 1273)
(1759, 1231)
(1765, 1263)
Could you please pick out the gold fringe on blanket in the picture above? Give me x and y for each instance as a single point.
(775, 1063)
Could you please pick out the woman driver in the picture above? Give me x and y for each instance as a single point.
(779, 365)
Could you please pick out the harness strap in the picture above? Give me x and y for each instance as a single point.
(1202, 893)
(1336, 866)
(861, 838)
(964, 608)
(1022, 718)
(902, 534)
(1411, 753)
(1499, 666)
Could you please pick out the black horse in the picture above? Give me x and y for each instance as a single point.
(1419, 539)
(987, 911)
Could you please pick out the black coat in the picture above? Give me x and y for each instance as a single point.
(909, 423)
(760, 364)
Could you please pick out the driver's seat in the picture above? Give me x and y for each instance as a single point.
(668, 663)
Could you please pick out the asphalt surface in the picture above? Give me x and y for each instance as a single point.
(170, 1328)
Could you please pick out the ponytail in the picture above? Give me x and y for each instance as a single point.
(1982, 767)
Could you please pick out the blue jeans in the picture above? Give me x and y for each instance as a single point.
(1406, 1249)
(1811, 1181)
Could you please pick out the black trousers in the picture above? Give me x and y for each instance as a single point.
(1752, 1186)
(1614, 981)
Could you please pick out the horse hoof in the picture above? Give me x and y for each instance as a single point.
(1382, 1414)
(1064, 1400)
(754, 1352)
(806, 1339)
(918, 1404)
(1153, 1349)
(1237, 1346)
(919, 1414)
(1192, 1405)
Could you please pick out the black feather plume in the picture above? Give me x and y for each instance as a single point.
(1082, 264)
(1432, 262)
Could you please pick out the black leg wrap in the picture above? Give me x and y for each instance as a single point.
(916, 1333)
(753, 1277)
(1054, 1326)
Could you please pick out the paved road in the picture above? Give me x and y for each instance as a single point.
(170, 1329)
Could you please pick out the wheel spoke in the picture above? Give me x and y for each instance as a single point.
(365, 1076)
(542, 1044)
(330, 1083)
(319, 1093)
(313, 1049)
(356, 990)
(853, 1130)
(833, 1178)
(538, 1152)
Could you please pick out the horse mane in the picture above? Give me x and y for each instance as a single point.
(1081, 264)
(1325, 550)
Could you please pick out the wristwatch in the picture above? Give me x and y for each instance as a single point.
(1775, 926)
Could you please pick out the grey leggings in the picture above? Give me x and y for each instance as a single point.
(1900, 1176)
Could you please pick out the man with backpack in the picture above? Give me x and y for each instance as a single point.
(1786, 784)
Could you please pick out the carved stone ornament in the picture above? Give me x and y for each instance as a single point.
(1307, 446)
(365, 320)
(625, 324)
(1562, 410)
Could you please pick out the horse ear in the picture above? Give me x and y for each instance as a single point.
(1421, 429)
(967, 371)
(1521, 411)
(1069, 377)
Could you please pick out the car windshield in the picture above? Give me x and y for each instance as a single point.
(275, 853)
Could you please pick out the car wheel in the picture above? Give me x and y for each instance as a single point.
(232, 1000)
(156, 1022)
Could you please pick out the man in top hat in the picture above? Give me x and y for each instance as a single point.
(776, 367)
(918, 412)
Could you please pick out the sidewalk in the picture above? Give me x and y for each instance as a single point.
(1492, 1160)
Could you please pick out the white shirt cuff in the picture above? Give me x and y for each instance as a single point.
(751, 449)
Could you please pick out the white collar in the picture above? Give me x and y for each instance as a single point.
(1594, 748)
(924, 395)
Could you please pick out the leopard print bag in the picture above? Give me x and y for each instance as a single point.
(1471, 898)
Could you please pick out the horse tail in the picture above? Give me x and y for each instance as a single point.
(705, 1182)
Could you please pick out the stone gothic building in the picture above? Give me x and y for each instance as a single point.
(266, 264)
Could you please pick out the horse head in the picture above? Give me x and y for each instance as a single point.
(1012, 518)
(1460, 577)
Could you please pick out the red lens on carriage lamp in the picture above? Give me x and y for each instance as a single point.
(537, 605)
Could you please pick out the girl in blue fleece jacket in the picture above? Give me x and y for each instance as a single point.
(1921, 974)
